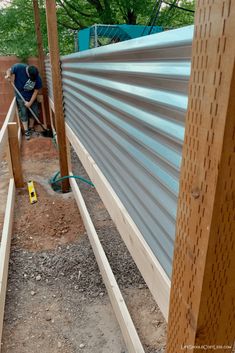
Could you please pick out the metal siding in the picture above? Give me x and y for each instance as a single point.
(49, 78)
(126, 102)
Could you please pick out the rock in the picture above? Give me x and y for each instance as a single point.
(48, 317)
(82, 345)
(59, 344)
(101, 294)
(32, 292)
(38, 278)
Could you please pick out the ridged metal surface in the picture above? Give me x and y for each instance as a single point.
(127, 102)
(49, 78)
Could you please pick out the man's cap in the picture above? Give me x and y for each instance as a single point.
(33, 72)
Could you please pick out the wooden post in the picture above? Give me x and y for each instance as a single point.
(202, 301)
(41, 58)
(15, 154)
(57, 89)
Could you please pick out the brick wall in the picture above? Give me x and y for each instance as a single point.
(6, 90)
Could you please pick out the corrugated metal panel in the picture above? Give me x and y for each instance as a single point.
(49, 78)
(126, 102)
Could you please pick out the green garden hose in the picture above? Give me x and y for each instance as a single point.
(54, 181)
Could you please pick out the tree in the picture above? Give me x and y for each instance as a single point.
(17, 20)
(176, 14)
(17, 30)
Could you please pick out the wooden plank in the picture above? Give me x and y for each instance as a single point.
(9, 162)
(15, 154)
(19, 127)
(5, 249)
(151, 270)
(57, 89)
(3, 131)
(41, 58)
(51, 110)
(202, 304)
(51, 103)
(130, 335)
(69, 155)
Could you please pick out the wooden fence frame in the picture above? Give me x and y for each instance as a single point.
(9, 134)
(206, 198)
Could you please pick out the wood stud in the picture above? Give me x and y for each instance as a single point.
(202, 301)
(57, 89)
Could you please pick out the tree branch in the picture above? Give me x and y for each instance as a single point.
(69, 13)
(76, 9)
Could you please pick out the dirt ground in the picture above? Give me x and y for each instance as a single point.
(56, 300)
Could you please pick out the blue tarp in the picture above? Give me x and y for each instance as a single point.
(123, 32)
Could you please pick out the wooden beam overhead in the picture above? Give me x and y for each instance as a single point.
(57, 89)
(202, 301)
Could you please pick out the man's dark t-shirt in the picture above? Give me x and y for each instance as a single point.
(23, 83)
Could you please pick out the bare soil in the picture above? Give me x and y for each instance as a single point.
(56, 300)
(50, 222)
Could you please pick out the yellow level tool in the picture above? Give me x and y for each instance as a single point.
(32, 192)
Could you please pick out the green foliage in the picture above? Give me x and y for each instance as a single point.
(17, 31)
(17, 20)
(16, 28)
(173, 17)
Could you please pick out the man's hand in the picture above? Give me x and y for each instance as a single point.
(27, 104)
(8, 78)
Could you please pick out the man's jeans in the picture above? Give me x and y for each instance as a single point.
(24, 112)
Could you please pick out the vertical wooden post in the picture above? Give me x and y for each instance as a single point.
(15, 154)
(41, 60)
(57, 89)
(202, 302)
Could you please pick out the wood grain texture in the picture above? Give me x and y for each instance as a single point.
(151, 270)
(57, 89)
(15, 154)
(127, 327)
(5, 249)
(4, 130)
(202, 304)
(41, 58)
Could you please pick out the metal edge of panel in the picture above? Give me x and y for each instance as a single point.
(175, 37)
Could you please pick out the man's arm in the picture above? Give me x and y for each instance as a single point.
(34, 96)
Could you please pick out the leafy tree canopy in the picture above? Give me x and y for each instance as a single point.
(17, 20)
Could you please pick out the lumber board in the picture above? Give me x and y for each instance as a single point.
(51, 103)
(202, 303)
(9, 162)
(57, 89)
(151, 270)
(19, 127)
(5, 249)
(129, 332)
(15, 154)
(41, 57)
(4, 130)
